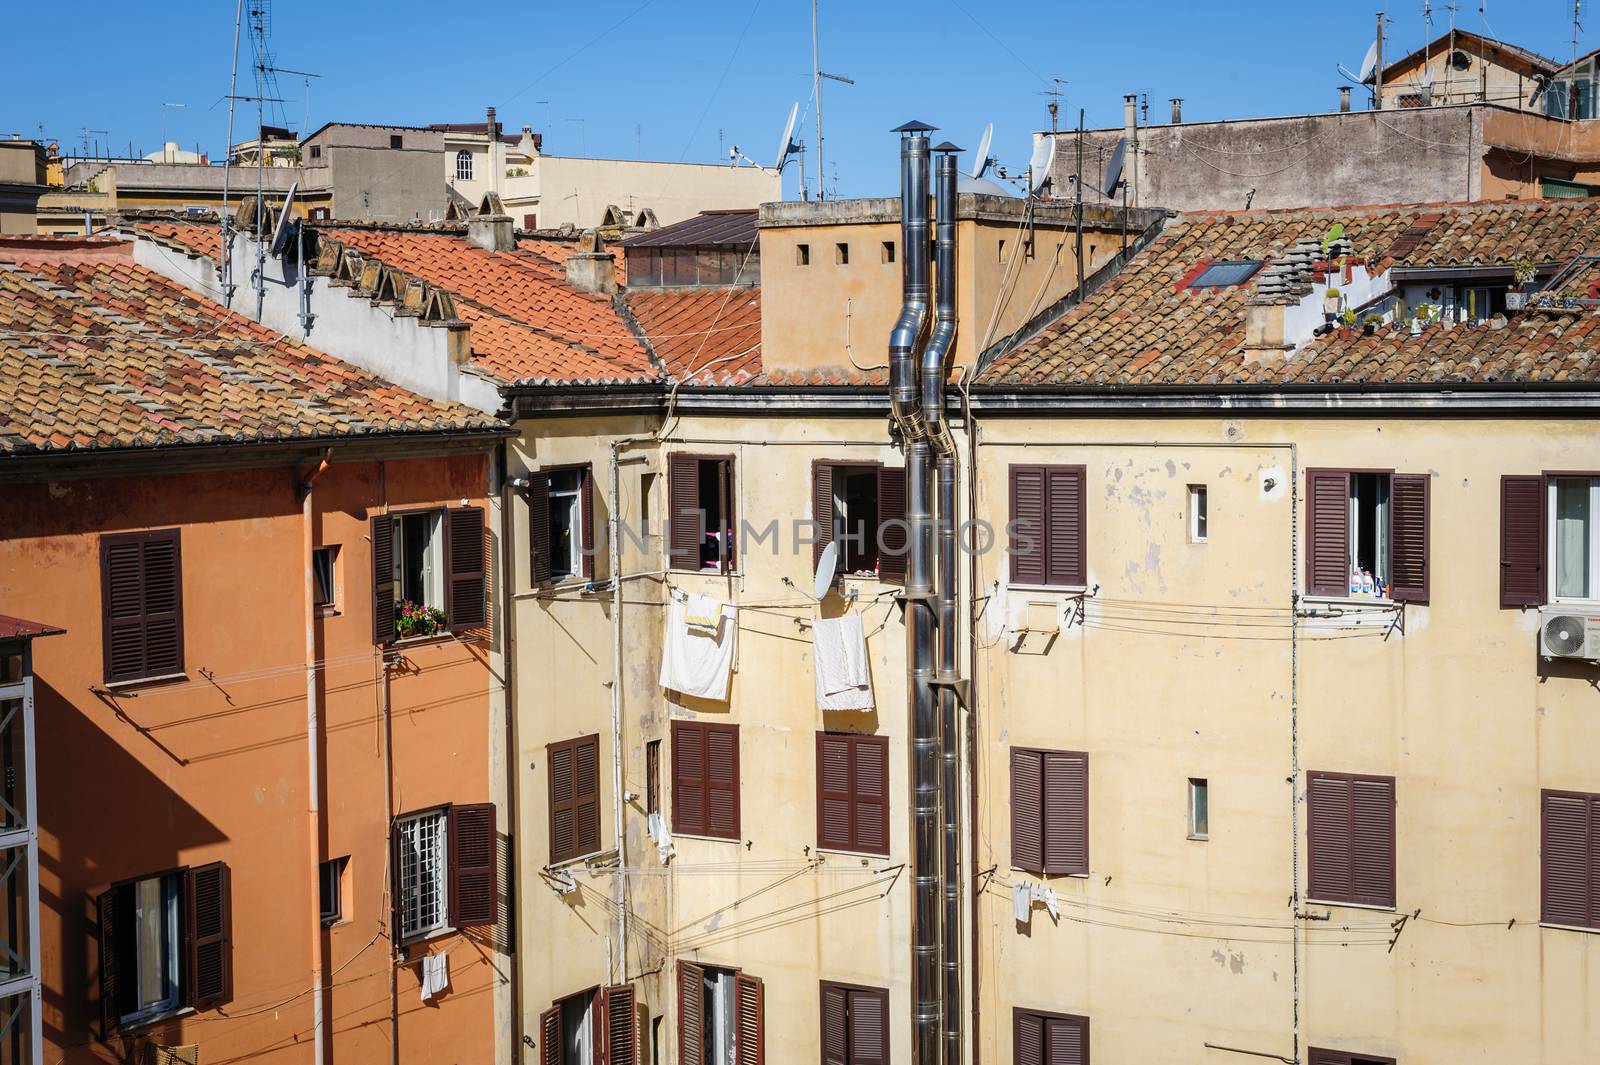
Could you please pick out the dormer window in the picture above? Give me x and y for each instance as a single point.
(1227, 273)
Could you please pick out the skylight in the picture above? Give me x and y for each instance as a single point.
(1227, 273)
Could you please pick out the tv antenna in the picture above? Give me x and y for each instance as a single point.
(85, 136)
(1055, 92)
(817, 74)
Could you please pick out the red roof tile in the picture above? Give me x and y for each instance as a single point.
(702, 335)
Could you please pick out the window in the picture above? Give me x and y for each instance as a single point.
(841, 254)
(853, 792)
(331, 889)
(316, 151)
(1000, 252)
(1226, 274)
(1350, 838)
(1341, 1057)
(596, 1027)
(1199, 808)
(1368, 534)
(445, 870)
(1569, 857)
(701, 501)
(1575, 537)
(574, 798)
(855, 1024)
(705, 779)
(886, 254)
(396, 140)
(324, 572)
(863, 505)
(720, 1018)
(165, 945)
(1556, 189)
(561, 523)
(1049, 1038)
(463, 165)
(1047, 526)
(647, 492)
(430, 559)
(530, 221)
(141, 600)
(652, 777)
(1197, 513)
(802, 255)
(1050, 811)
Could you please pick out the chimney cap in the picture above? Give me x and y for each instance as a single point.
(914, 126)
(946, 146)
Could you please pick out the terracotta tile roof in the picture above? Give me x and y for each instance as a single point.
(98, 352)
(702, 335)
(201, 240)
(1145, 327)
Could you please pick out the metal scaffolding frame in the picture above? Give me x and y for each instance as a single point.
(20, 1017)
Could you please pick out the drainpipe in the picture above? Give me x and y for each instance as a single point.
(617, 825)
(313, 757)
(508, 615)
(911, 329)
(972, 712)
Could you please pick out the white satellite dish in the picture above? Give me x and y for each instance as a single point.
(826, 565)
(1044, 153)
(787, 145)
(1114, 168)
(1369, 65)
(283, 230)
(981, 160)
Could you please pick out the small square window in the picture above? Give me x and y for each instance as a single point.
(1197, 514)
(331, 884)
(888, 251)
(396, 141)
(1199, 808)
(1226, 274)
(802, 255)
(316, 151)
(1000, 252)
(841, 254)
(325, 574)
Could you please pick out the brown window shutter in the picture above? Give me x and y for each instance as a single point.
(688, 779)
(835, 1019)
(687, 519)
(1067, 1041)
(1028, 525)
(1408, 537)
(730, 518)
(1327, 1057)
(1329, 806)
(1027, 1038)
(539, 526)
(586, 795)
(110, 995)
(208, 935)
(1522, 541)
(750, 1035)
(869, 1026)
(834, 805)
(893, 533)
(1027, 810)
(163, 604)
(822, 516)
(1328, 540)
(722, 781)
(586, 519)
(1065, 551)
(382, 579)
(1066, 813)
(621, 1025)
(691, 1014)
(474, 872)
(652, 777)
(142, 605)
(563, 829)
(1372, 839)
(550, 1036)
(870, 788)
(1567, 859)
(468, 606)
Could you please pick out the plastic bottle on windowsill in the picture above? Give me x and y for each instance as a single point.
(1366, 582)
(1355, 580)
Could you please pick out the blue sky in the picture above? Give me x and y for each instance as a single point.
(668, 79)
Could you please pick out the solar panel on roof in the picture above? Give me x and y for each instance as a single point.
(1225, 274)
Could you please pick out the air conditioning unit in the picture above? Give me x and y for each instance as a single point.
(1568, 632)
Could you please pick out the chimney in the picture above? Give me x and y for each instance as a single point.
(1130, 132)
(490, 229)
(1177, 110)
(494, 131)
(1344, 98)
(591, 268)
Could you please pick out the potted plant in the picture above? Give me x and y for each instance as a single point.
(415, 619)
(1330, 302)
(1522, 273)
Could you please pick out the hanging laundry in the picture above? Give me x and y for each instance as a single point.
(696, 661)
(702, 612)
(561, 880)
(1040, 893)
(1021, 903)
(839, 653)
(662, 835)
(435, 974)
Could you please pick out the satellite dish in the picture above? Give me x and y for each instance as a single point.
(981, 160)
(787, 145)
(1044, 153)
(826, 565)
(1369, 65)
(284, 229)
(1114, 168)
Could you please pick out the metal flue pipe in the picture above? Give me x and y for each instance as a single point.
(911, 328)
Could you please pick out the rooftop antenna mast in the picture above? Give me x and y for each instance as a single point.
(223, 242)
(817, 74)
(1056, 92)
(1577, 26)
(260, 20)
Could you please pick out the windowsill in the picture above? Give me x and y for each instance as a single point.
(145, 682)
(1351, 600)
(1058, 589)
(1576, 602)
(417, 938)
(1569, 927)
(1051, 876)
(334, 922)
(676, 835)
(1353, 905)
(852, 854)
(133, 1022)
(329, 612)
(709, 572)
(1198, 838)
(423, 641)
(581, 859)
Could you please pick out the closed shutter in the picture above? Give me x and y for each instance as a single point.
(382, 579)
(1027, 1038)
(1327, 1057)
(691, 1014)
(163, 605)
(852, 792)
(869, 1026)
(870, 755)
(687, 519)
(574, 798)
(208, 935)
(1328, 542)
(750, 1033)
(586, 519)
(474, 873)
(550, 1037)
(1408, 537)
(1065, 558)
(1372, 833)
(539, 526)
(1570, 823)
(1027, 810)
(468, 609)
(1067, 1041)
(619, 1004)
(835, 1021)
(1066, 813)
(110, 994)
(722, 781)
(688, 779)
(1027, 525)
(142, 605)
(1522, 541)
(822, 517)
(1328, 831)
(893, 532)
(834, 802)
(562, 829)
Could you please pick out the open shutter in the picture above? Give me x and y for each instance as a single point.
(539, 526)
(687, 520)
(1566, 855)
(1027, 1038)
(835, 1017)
(550, 1036)
(1522, 541)
(1065, 557)
(834, 806)
(621, 1025)
(382, 579)
(468, 608)
(1066, 813)
(688, 779)
(163, 604)
(1027, 525)
(870, 757)
(208, 935)
(1408, 537)
(722, 782)
(822, 517)
(869, 1026)
(110, 997)
(1328, 542)
(730, 520)
(1327, 1057)
(586, 520)
(750, 1036)
(122, 607)
(470, 834)
(691, 1014)
(893, 532)
(1328, 830)
(1372, 841)
(1066, 1041)
(586, 795)
(1027, 810)
(563, 838)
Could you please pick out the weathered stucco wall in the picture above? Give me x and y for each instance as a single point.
(564, 189)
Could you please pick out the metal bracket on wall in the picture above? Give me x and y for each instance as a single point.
(960, 685)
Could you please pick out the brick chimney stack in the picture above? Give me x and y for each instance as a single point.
(592, 268)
